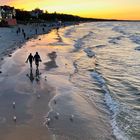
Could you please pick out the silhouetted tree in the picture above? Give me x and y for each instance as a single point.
(27, 16)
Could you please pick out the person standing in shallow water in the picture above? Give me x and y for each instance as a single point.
(30, 59)
(37, 59)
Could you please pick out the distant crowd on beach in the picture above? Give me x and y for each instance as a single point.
(14, 37)
(36, 28)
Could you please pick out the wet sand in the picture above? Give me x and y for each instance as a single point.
(34, 94)
(31, 96)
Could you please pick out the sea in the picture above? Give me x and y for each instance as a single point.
(98, 91)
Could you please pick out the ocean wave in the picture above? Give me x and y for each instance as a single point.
(69, 32)
(80, 43)
(137, 48)
(89, 52)
(135, 38)
(115, 40)
(100, 46)
(120, 29)
(112, 105)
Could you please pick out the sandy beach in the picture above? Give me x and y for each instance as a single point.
(69, 70)
(11, 38)
(76, 92)
(32, 96)
(29, 124)
(36, 94)
(29, 108)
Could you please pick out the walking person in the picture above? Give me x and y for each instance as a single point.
(30, 59)
(37, 59)
(24, 35)
(36, 31)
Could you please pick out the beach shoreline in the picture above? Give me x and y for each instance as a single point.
(53, 107)
(13, 38)
(33, 107)
(29, 124)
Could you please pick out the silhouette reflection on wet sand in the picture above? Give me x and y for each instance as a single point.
(59, 38)
(51, 64)
(35, 76)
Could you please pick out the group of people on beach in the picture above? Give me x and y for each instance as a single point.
(35, 58)
(19, 30)
(35, 30)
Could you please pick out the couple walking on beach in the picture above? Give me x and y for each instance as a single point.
(35, 58)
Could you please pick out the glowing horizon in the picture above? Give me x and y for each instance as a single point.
(109, 9)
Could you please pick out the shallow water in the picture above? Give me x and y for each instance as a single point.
(103, 88)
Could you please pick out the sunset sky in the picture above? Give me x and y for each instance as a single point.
(116, 9)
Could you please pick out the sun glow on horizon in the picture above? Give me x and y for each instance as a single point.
(113, 9)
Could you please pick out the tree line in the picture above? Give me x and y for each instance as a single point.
(22, 15)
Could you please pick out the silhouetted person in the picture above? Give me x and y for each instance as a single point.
(30, 59)
(22, 30)
(37, 59)
(36, 31)
(19, 29)
(24, 34)
(17, 32)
